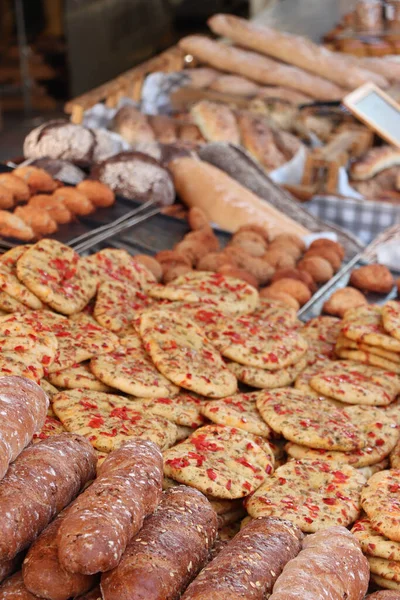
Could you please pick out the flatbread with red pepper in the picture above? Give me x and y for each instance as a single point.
(391, 318)
(369, 358)
(379, 431)
(321, 334)
(129, 369)
(118, 266)
(373, 543)
(11, 285)
(264, 379)
(78, 376)
(183, 354)
(388, 569)
(108, 420)
(380, 500)
(308, 421)
(220, 461)
(117, 305)
(227, 294)
(365, 325)
(237, 411)
(275, 314)
(57, 275)
(52, 426)
(352, 387)
(313, 495)
(183, 409)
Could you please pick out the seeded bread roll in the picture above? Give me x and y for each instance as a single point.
(168, 552)
(331, 566)
(137, 176)
(42, 573)
(38, 485)
(248, 566)
(97, 528)
(23, 409)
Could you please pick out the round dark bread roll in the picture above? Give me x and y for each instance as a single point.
(60, 169)
(137, 176)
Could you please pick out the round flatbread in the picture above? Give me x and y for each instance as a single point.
(372, 469)
(380, 435)
(57, 276)
(345, 343)
(78, 376)
(369, 359)
(118, 266)
(321, 334)
(183, 409)
(129, 369)
(182, 353)
(308, 421)
(227, 294)
(374, 544)
(11, 285)
(364, 325)
(385, 583)
(275, 314)
(388, 569)
(395, 457)
(117, 305)
(220, 461)
(237, 411)
(380, 500)
(108, 420)
(391, 318)
(351, 388)
(264, 379)
(313, 495)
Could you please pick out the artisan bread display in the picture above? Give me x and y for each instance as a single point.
(249, 565)
(23, 406)
(294, 50)
(169, 551)
(375, 161)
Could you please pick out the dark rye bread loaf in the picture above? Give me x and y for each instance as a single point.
(101, 522)
(137, 176)
(42, 573)
(38, 485)
(14, 589)
(250, 564)
(23, 408)
(8, 567)
(168, 552)
(330, 566)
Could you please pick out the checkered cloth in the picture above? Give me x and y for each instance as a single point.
(363, 218)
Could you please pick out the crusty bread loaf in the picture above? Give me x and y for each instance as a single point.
(216, 122)
(98, 526)
(235, 85)
(168, 552)
(38, 485)
(23, 409)
(374, 161)
(258, 139)
(14, 588)
(42, 573)
(295, 50)
(133, 126)
(259, 68)
(248, 566)
(282, 93)
(331, 566)
(225, 201)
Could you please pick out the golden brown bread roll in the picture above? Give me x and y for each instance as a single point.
(294, 288)
(224, 200)
(343, 300)
(216, 122)
(283, 297)
(133, 126)
(258, 138)
(319, 268)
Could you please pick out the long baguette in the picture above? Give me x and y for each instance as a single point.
(42, 573)
(259, 68)
(168, 552)
(249, 565)
(23, 408)
(98, 526)
(225, 201)
(331, 566)
(294, 50)
(38, 485)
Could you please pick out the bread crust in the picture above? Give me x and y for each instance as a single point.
(375, 161)
(216, 122)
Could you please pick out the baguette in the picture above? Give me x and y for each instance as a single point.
(169, 551)
(42, 573)
(258, 139)
(374, 161)
(282, 93)
(97, 528)
(331, 566)
(225, 201)
(295, 50)
(216, 122)
(23, 408)
(248, 566)
(38, 485)
(235, 85)
(259, 68)
(14, 588)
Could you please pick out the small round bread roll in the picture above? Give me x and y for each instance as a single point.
(214, 261)
(176, 271)
(256, 229)
(6, 198)
(197, 218)
(231, 271)
(373, 278)
(253, 243)
(319, 268)
(40, 221)
(19, 189)
(56, 209)
(290, 238)
(294, 288)
(258, 267)
(151, 264)
(98, 193)
(329, 254)
(75, 201)
(37, 179)
(286, 247)
(295, 274)
(342, 300)
(278, 259)
(172, 257)
(283, 297)
(324, 242)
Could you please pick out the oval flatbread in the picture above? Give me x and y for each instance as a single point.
(380, 500)
(237, 411)
(11, 285)
(117, 305)
(388, 569)
(78, 376)
(313, 495)
(374, 544)
(118, 266)
(269, 380)
(364, 325)
(183, 409)
(351, 388)
(391, 318)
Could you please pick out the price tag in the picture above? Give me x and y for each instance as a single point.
(377, 110)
